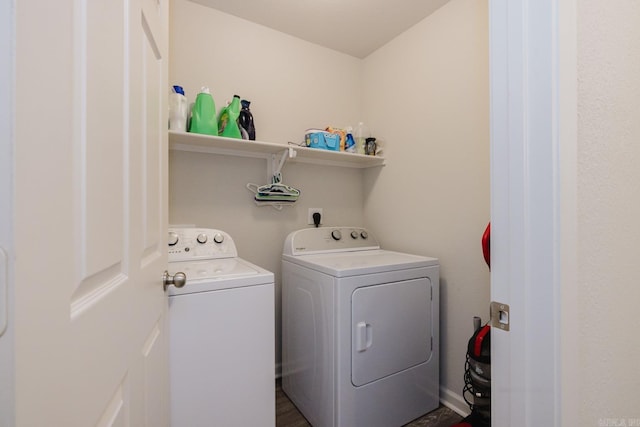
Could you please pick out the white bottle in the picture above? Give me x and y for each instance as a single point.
(362, 133)
(178, 110)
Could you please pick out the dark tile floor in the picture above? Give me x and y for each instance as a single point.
(287, 415)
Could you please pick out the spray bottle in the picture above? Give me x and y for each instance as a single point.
(349, 143)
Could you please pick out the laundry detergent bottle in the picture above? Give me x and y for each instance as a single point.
(178, 109)
(228, 121)
(247, 127)
(203, 114)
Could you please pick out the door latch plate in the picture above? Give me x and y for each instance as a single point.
(499, 315)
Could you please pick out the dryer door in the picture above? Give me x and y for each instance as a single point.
(391, 329)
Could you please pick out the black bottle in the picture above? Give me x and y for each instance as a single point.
(245, 120)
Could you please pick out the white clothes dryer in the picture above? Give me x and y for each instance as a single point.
(360, 329)
(221, 334)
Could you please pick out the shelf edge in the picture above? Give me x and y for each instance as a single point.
(183, 141)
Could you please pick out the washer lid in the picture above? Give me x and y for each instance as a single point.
(345, 264)
(217, 274)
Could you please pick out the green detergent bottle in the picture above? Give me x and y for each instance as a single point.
(228, 122)
(203, 114)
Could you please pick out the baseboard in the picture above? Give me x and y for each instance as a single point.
(454, 401)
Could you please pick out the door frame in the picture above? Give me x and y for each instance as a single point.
(7, 89)
(7, 66)
(533, 208)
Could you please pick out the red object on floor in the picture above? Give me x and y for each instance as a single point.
(477, 347)
(475, 419)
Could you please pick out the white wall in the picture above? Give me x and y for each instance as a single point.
(427, 95)
(608, 39)
(293, 85)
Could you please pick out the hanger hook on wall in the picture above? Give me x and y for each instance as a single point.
(275, 194)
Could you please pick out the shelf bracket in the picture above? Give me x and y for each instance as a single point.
(277, 162)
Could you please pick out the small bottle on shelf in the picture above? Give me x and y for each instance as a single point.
(362, 133)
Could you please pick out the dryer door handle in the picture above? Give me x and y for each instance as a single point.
(364, 336)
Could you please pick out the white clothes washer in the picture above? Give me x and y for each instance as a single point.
(360, 329)
(221, 334)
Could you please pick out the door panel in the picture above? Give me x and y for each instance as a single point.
(391, 329)
(100, 134)
(154, 119)
(99, 148)
(155, 361)
(114, 414)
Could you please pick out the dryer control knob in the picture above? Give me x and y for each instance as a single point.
(173, 238)
(336, 234)
(354, 234)
(364, 234)
(202, 238)
(218, 238)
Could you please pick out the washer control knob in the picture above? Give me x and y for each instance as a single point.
(354, 234)
(364, 234)
(202, 238)
(336, 234)
(173, 238)
(218, 238)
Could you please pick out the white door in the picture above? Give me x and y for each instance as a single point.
(533, 110)
(90, 213)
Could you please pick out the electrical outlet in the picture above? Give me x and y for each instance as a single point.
(310, 216)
